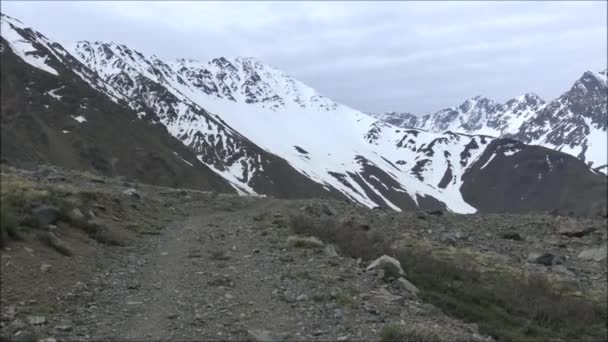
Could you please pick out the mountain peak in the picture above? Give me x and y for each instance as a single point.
(527, 98)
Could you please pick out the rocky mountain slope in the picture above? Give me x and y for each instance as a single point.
(269, 134)
(574, 123)
(53, 112)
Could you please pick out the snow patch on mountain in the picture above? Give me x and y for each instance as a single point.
(12, 31)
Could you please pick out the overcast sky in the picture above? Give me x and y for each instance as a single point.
(374, 56)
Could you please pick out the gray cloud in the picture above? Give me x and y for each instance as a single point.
(374, 56)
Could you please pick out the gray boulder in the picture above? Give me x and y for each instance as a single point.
(390, 266)
(46, 214)
(405, 285)
(547, 259)
(597, 253)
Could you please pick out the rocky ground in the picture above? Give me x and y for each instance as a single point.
(204, 266)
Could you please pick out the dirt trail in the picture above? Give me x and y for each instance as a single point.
(199, 279)
(225, 274)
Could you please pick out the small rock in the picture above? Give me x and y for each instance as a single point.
(302, 298)
(421, 215)
(80, 286)
(133, 285)
(449, 239)
(388, 297)
(327, 210)
(405, 285)
(99, 206)
(391, 266)
(561, 269)
(48, 339)
(46, 214)
(342, 338)
(76, 214)
(288, 298)
(435, 212)
(338, 313)
(572, 228)
(131, 192)
(25, 335)
(512, 236)
(549, 259)
(597, 253)
(259, 335)
(229, 296)
(172, 316)
(330, 251)
(63, 327)
(36, 320)
(317, 333)
(55, 179)
(45, 267)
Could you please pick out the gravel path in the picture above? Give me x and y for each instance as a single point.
(227, 273)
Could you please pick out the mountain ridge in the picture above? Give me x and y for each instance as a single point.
(269, 134)
(574, 122)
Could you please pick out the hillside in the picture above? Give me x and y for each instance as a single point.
(51, 115)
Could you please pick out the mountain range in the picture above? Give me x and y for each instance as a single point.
(240, 125)
(574, 123)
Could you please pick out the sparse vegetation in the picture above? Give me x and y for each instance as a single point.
(507, 303)
(346, 297)
(354, 240)
(304, 241)
(20, 195)
(394, 333)
(303, 275)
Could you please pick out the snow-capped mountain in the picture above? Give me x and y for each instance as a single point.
(269, 134)
(574, 123)
(340, 148)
